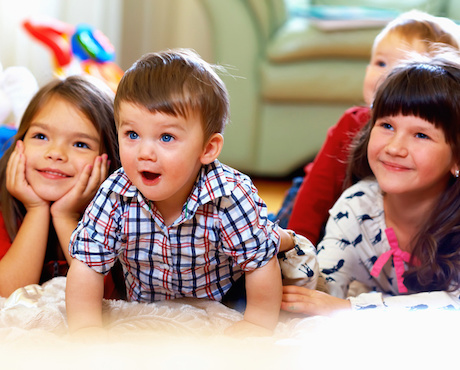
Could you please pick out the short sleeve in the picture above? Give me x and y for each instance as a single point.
(248, 236)
(94, 240)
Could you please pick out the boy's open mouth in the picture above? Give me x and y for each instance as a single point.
(150, 176)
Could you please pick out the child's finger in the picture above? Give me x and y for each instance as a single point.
(294, 289)
(296, 307)
(95, 175)
(15, 169)
(83, 179)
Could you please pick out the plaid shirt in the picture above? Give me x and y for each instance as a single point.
(223, 230)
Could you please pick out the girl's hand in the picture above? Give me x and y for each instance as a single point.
(311, 302)
(73, 203)
(16, 182)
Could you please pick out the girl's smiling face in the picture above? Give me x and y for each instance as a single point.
(409, 155)
(58, 145)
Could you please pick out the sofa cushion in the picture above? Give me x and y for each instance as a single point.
(321, 80)
(269, 14)
(298, 39)
(435, 7)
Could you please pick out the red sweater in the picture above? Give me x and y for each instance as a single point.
(5, 242)
(110, 287)
(323, 182)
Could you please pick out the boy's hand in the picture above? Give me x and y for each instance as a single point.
(16, 182)
(245, 328)
(73, 203)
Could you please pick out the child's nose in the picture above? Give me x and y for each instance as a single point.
(397, 146)
(147, 151)
(57, 152)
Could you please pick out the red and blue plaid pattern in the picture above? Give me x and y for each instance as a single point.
(223, 230)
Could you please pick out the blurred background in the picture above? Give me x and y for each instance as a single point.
(134, 27)
(293, 66)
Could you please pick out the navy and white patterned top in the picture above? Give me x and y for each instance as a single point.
(223, 230)
(356, 236)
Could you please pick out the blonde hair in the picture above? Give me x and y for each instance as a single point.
(416, 25)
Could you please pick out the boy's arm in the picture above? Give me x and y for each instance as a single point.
(286, 241)
(263, 295)
(84, 293)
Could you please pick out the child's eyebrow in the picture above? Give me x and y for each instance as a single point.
(173, 125)
(75, 134)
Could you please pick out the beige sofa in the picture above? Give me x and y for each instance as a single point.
(289, 80)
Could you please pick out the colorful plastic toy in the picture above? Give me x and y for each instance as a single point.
(6, 135)
(82, 45)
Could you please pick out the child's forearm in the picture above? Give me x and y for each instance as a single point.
(286, 241)
(264, 293)
(64, 227)
(23, 263)
(84, 292)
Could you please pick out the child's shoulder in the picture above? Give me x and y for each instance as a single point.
(356, 116)
(365, 195)
(226, 182)
(118, 182)
(227, 175)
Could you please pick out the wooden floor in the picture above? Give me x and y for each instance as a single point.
(272, 191)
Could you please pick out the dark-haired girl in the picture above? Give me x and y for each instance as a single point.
(397, 229)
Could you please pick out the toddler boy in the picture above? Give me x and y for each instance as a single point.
(181, 223)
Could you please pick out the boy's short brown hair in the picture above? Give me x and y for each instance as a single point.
(176, 82)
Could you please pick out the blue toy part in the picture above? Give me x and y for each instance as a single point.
(6, 133)
(89, 43)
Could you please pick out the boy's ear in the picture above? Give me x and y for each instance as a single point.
(212, 148)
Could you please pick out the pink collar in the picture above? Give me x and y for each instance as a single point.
(399, 257)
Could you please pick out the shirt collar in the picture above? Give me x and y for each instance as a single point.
(214, 180)
(212, 183)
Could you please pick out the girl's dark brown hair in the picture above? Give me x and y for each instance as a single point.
(428, 89)
(176, 82)
(90, 97)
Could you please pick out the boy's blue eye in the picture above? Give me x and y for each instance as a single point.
(381, 64)
(132, 135)
(166, 138)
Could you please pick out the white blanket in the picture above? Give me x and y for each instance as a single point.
(189, 333)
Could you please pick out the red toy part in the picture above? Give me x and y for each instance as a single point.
(54, 34)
